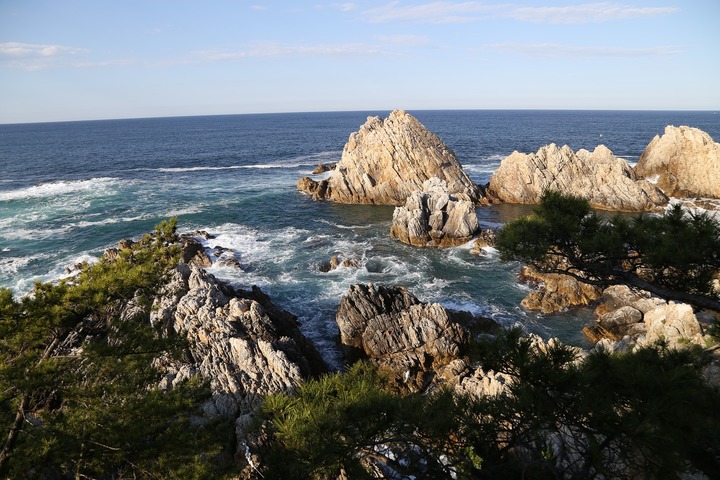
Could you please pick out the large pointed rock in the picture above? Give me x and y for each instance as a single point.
(685, 162)
(606, 181)
(387, 160)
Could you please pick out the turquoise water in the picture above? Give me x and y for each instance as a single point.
(70, 190)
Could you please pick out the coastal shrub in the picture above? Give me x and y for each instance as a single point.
(645, 413)
(78, 389)
(674, 255)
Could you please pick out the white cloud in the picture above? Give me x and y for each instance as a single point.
(465, 12)
(343, 7)
(258, 8)
(434, 12)
(586, 13)
(32, 50)
(557, 50)
(403, 40)
(32, 56)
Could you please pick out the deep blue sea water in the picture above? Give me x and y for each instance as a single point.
(69, 190)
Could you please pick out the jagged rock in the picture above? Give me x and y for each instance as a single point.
(606, 181)
(193, 252)
(434, 218)
(387, 160)
(335, 263)
(685, 161)
(555, 292)
(238, 340)
(484, 239)
(409, 339)
(324, 167)
(618, 323)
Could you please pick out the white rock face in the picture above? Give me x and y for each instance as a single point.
(387, 160)
(434, 218)
(606, 181)
(238, 340)
(685, 161)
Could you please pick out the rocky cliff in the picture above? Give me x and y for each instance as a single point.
(606, 181)
(237, 340)
(685, 161)
(387, 160)
(434, 218)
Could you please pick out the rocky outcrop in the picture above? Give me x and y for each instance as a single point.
(387, 160)
(627, 319)
(555, 292)
(413, 342)
(606, 181)
(324, 167)
(684, 161)
(434, 218)
(237, 340)
(335, 262)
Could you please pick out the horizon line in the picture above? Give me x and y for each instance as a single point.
(371, 110)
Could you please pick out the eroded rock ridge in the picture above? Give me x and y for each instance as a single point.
(606, 181)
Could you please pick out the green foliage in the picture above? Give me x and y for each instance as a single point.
(607, 416)
(674, 255)
(353, 423)
(91, 408)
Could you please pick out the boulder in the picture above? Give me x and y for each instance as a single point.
(684, 161)
(555, 292)
(387, 160)
(606, 181)
(674, 323)
(434, 218)
(410, 340)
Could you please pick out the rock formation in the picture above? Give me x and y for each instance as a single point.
(387, 160)
(434, 218)
(606, 181)
(627, 319)
(685, 161)
(413, 342)
(555, 292)
(238, 340)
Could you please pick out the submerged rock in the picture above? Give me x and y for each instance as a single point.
(684, 162)
(387, 160)
(434, 218)
(606, 181)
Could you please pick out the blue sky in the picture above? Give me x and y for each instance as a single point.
(91, 59)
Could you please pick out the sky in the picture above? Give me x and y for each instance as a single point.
(95, 59)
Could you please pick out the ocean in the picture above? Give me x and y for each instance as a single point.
(69, 190)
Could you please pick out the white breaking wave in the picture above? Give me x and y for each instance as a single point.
(44, 190)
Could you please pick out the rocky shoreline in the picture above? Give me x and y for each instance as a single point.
(247, 348)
